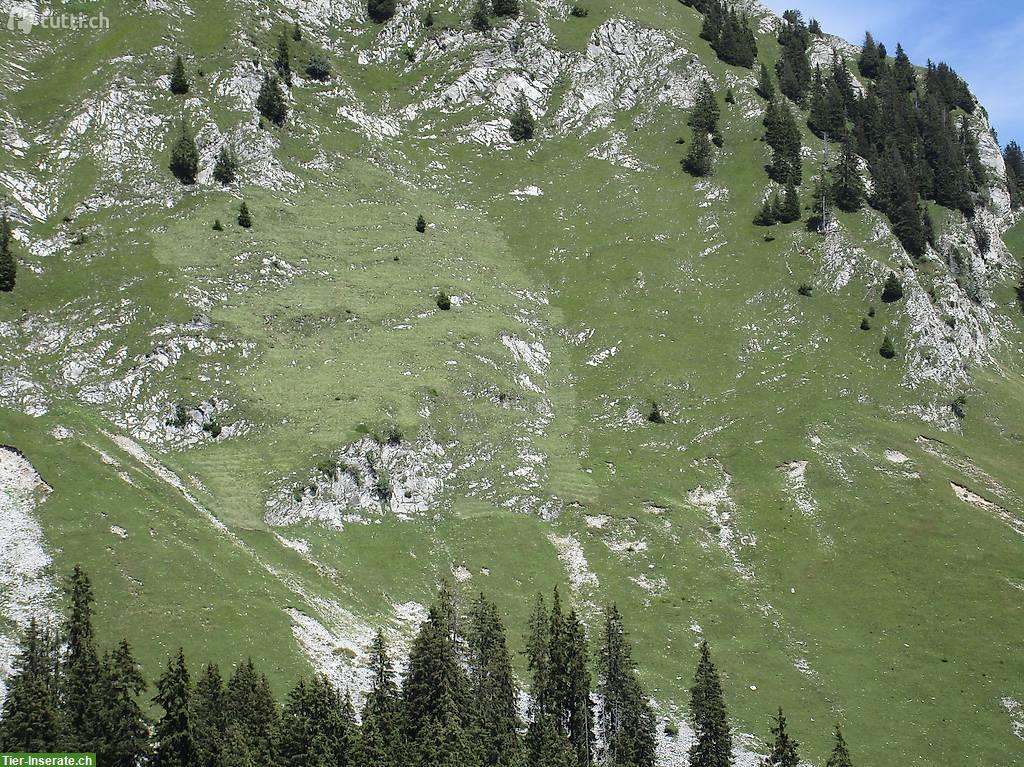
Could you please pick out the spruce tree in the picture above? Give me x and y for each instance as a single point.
(847, 186)
(481, 16)
(30, 720)
(225, 170)
(569, 682)
(317, 725)
(296, 32)
(887, 350)
(380, 743)
(626, 721)
(705, 113)
(251, 706)
(1013, 157)
(903, 71)
(179, 80)
(765, 84)
(839, 757)
(80, 689)
(125, 732)
(495, 725)
(793, 68)
(713, 744)
(185, 156)
(892, 291)
(380, 10)
(8, 266)
(210, 721)
(766, 216)
(522, 121)
(790, 209)
(783, 753)
(282, 58)
(421, 224)
(271, 101)
(244, 217)
(870, 62)
(699, 160)
(506, 8)
(173, 734)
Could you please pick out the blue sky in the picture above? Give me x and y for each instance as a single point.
(983, 40)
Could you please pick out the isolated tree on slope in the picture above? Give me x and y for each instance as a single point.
(179, 80)
(699, 160)
(8, 266)
(892, 291)
(271, 102)
(523, 123)
(244, 217)
(282, 59)
(185, 156)
(840, 756)
(713, 744)
(783, 753)
(225, 170)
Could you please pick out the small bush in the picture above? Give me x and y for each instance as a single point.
(886, 349)
(655, 415)
(871, 311)
(959, 407)
(730, 97)
(217, 225)
(428, 20)
(671, 729)
(865, 324)
(380, 10)
(805, 289)
(579, 12)
(444, 301)
(179, 416)
(328, 467)
(319, 68)
(421, 224)
(893, 290)
(244, 217)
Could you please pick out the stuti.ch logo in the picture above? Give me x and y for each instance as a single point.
(23, 20)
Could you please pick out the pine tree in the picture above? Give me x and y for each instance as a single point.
(506, 8)
(244, 217)
(179, 80)
(185, 156)
(765, 84)
(173, 735)
(225, 170)
(624, 716)
(380, 10)
(282, 58)
(251, 706)
(847, 185)
(839, 757)
(481, 16)
(887, 350)
(210, 722)
(125, 732)
(790, 209)
(80, 693)
(783, 753)
(495, 725)
(271, 102)
(699, 160)
(8, 266)
(421, 224)
(713, 744)
(893, 289)
(380, 743)
(766, 216)
(522, 120)
(30, 720)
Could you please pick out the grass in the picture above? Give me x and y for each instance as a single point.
(898, 596)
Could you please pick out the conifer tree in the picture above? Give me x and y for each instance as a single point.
(624, 716)
(1013, 156)
(766, 216)
(887, 350)
(522, 120)
(713, 744)
(765, 84)
(251, 706)
(282, 58)
(317, 725)
(244, 217)
(784, 748)
(699, 160)
(705, 113)
(296, 32)
(790, 209)
(225, 170)
(892, 291)
(903, 72)
(381, 10)
(481, 16)
(30, 720)
(8, 266)
(782, 134)
(271, 102)
(495, 725)
(319, 68)
(506, 8)
(847, 186)
(125, 733)
(569, 682)
(380, 743)
(840, 756)
(870, 62)
(80, 696)
(185, 156)
(173, 735)
(179, 80)
(793, 68)
(421, 224)
(210, 725)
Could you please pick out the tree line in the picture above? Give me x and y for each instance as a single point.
(456, 704)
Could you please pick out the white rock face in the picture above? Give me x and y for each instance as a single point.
(26, 588)
(370, 479)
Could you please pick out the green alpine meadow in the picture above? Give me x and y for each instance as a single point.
(504, 383)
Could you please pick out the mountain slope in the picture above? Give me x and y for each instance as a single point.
(848, 544)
